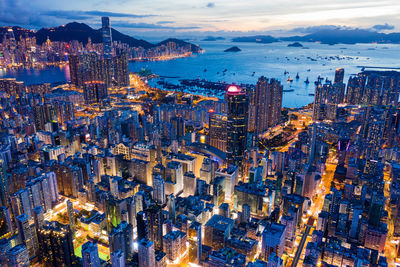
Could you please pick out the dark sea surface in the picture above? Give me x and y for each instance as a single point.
(270, 60)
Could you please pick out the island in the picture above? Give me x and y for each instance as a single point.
(212, 38)
(264, 39)
(233, 49)
(295, 44)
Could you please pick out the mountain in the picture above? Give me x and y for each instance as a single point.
(81, 32)
(347, 36)
(330, 36)
(265, 39)
(18, 32)
(178, 42)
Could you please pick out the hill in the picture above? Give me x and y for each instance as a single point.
(81, 32)
(178, 42)
(330, 36)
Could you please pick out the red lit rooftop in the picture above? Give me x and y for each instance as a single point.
(234, 90)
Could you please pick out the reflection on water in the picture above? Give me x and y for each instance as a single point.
(270, 60)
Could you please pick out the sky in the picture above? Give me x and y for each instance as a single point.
(205, 17)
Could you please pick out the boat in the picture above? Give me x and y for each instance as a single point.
(286, 72)
(307, 81)
(289, 80)
(288, 90)
(297, 76)
(309, 70)
(205, 70)
(311, 94)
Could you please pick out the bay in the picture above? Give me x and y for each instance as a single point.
(270, 60)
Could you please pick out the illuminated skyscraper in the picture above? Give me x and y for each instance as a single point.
(121, 68)
(267, 104)
(3, 183)
(237, 125)
(121, 238)
(43, 114)
(158, 189)
(155, 222)
(195, 243)
(107, 38)
(146, 253)
(95, 92)
(27, 235)
(18, 256)
(218, 130)
(52, 237)
(339, 75)
(5, 221)
(90, 255)
(117, 258)
(71, 215)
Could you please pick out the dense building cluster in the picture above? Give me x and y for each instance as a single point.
(23, 50)
(169, 179)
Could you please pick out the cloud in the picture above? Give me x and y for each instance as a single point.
(84, 15)
(124, 24)
(313, 29)
(17, 12)
(382, 27)
(165, 22)
(210, 5)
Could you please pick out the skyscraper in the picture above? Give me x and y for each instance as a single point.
(339, 75)
(121, 238)
(117, 258)
(195, 242)
(158, 189)
(107, 38)
(146, 253)
(267, 102)
(18, 256)
(121, 68)
(320, 100)
(71, 215)
(52, 237)
(90, 255)
(155, 222)
(237, 125)
(218, 130)
(27, 235)
(94, 92)
(3, 183)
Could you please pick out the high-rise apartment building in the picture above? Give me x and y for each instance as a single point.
(266, 101)
(237, 125)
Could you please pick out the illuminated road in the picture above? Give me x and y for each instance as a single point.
(301, 246)
(390, 245)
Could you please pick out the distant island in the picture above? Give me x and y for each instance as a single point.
(212, 38)
(295, 44)
(233, 49)
(329, 36)
(256, 39)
